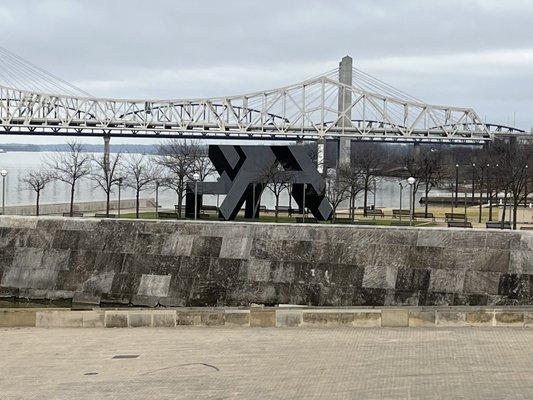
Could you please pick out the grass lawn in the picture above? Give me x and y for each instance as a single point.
(286, 219)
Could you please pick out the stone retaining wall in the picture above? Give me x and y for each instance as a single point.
(267, 317)
(187, 263)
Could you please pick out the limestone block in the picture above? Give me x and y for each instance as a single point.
(93, 319)
(480, 318)
(451, 318)
(419, 318)
(367, 319)
(141, 319)
(288, 318)
(332, 318)
(164, 319)
(47, 319)
(70, 319)
(200, 317)
(394, 318)
(177, 245)
(509, 318)
(262, 318)
(154, 285)
(237, 318)
(116, 319)
(17, 318)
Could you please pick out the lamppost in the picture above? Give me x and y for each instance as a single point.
(195, 178)
(4, 174)
(525, 187)
(411, 182)
(456, 184)
(473, 181)
(401, 190)
(157, 199)
(465, 206)
(374, 213)
(303, 203)
(120, 181)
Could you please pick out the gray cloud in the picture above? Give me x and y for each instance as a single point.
(475, 53)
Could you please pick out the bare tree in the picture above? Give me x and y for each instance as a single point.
(178, 158)
(514, 160)
(369, 159)
(106, 174)
(37, 180)
(354, 179)
(69, 167)
(201, 164)
(428, 169)
(139, 174)
(275, 179)
(337, 190)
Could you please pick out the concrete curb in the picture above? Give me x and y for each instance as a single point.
(267, 317)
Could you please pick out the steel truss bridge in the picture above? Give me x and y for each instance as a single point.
(342, 103)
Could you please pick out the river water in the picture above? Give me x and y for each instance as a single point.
(19, 163)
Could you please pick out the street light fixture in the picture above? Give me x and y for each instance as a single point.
(157, 199)
(195, 178)
(401, 190)
(456, 185)
(4, 174)
(411, 181)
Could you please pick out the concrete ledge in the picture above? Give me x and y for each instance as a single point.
(284, 317)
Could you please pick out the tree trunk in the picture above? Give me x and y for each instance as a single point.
(137, 195)
(180, 199)
(277, 206)
(37, 203)
(515, 210)
(504, 209)
(366, 198)
(72, 188)
(107, 203)
(427, 201)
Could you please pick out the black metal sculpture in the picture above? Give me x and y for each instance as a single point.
(239, 168)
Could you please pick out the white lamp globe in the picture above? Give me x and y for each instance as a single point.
(196, 176)
(411, 180)
(3, 172)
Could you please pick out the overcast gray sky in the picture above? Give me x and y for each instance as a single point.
(463, 53)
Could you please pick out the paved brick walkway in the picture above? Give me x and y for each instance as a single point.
(254, 363)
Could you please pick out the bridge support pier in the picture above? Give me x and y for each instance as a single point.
(107, 139)
(344, 103)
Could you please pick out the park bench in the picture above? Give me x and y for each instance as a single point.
(288, 210)
(398, 213)
(103, 215)
(526, 228)
(454, 216)
(459, 224)
(498, 225)
(376, 212)
(74, 214)
(167, 215)
(424, 215)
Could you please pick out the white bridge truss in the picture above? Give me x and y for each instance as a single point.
(370, 110)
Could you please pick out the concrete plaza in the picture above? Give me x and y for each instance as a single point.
(267, 363)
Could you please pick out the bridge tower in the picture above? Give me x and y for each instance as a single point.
(345, 100)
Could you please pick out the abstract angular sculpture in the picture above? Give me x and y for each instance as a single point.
(239, 168)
